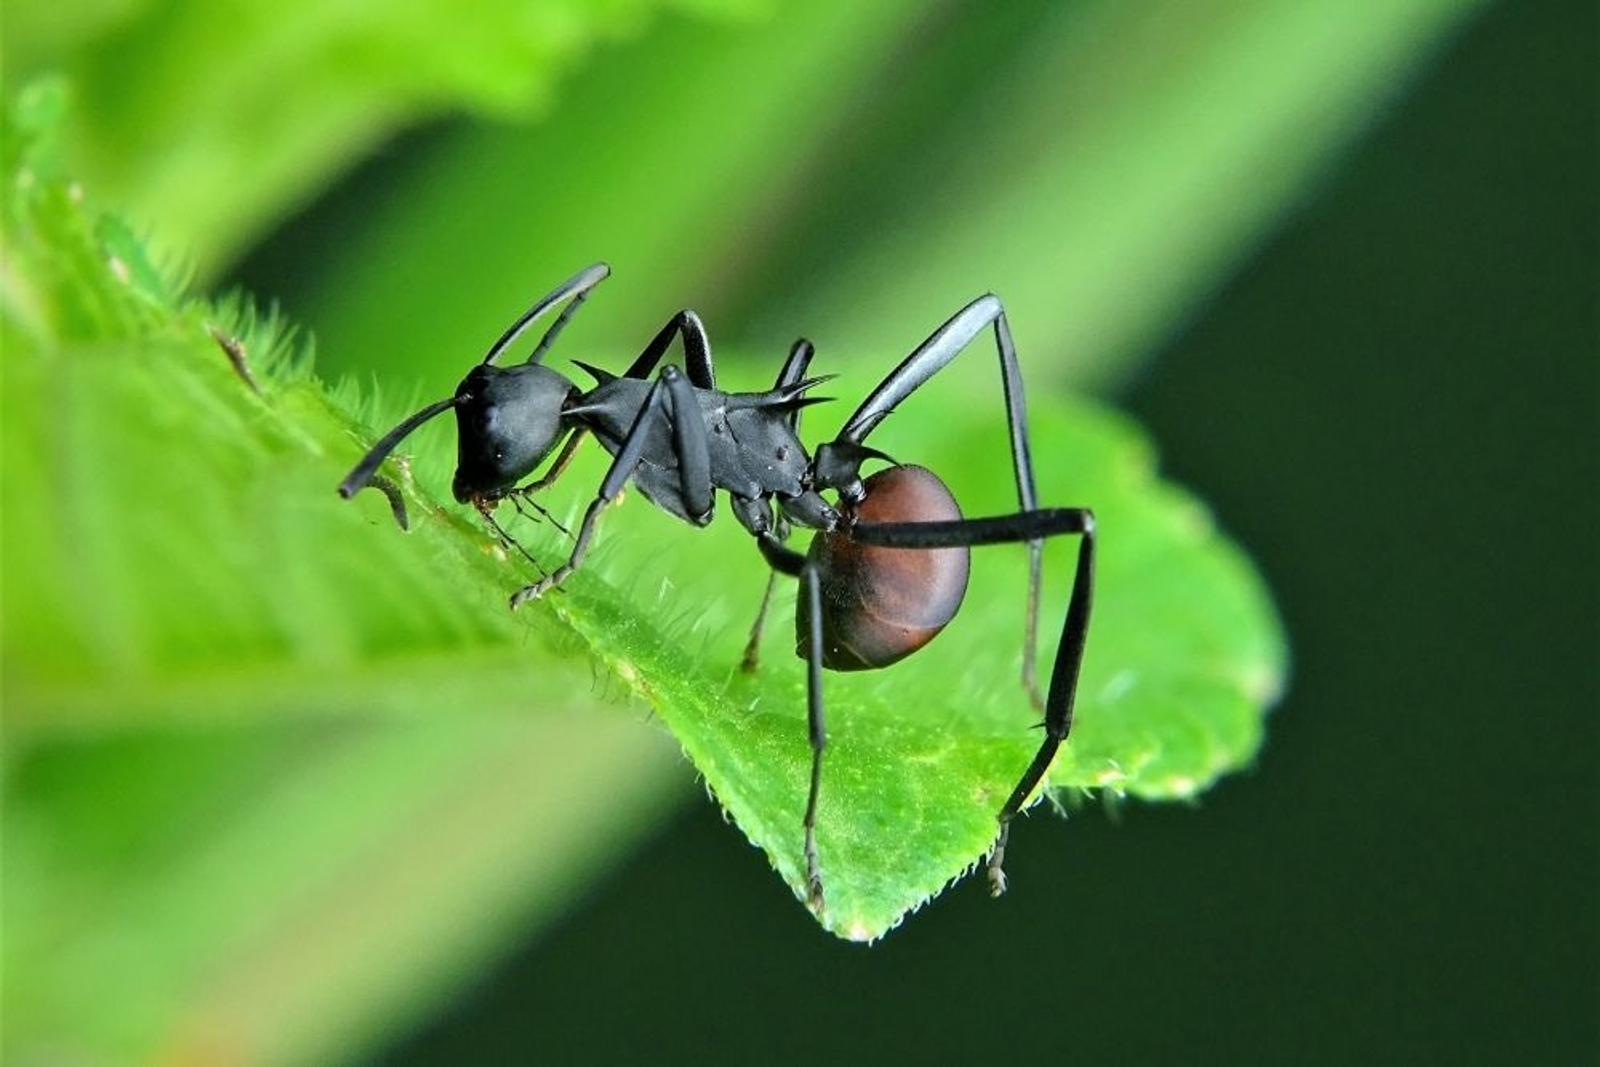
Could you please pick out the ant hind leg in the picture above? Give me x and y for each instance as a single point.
(929, 358)
(811, 588)
(1030, 527)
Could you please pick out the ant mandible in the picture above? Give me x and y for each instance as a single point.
(865, 602)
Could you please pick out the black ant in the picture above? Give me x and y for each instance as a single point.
(866, 602)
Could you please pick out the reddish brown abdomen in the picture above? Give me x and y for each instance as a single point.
(879, 604)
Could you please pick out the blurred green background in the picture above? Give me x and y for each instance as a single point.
(1340, 260)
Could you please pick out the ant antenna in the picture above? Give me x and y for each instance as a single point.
(358, 478)
(577, 287)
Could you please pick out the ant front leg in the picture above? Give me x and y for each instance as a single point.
(524, 494)
(673, 396)
(1027, 526)
(522, 497)
(933, 355)
(508, 543)
(557, 469)
(696, 350)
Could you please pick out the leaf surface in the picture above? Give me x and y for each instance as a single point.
(195, 565)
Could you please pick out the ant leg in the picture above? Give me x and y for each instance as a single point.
(811, 589)
(507, 542)
(783, 559)
(671, 395)
(932, 356)
(558, 468)
(786, 560)
(575, 288)
(696, 350)
(794, 369)
(1029, 526)
(792, 372)
(523, 494)
(752, 649)
(750, 662)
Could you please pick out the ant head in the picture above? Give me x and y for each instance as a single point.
(507, 421)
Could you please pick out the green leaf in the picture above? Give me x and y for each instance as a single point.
(208, 122)
(226, 580)
(1183, 658)
(290, 892)
(268, 790)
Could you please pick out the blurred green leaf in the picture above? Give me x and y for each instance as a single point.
(207, 122)
(226, 580)
(290, 893)
(1112, 164)
(199, 867)
(1101, 165)
(651, 163)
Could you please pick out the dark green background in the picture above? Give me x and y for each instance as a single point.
(1393, 405)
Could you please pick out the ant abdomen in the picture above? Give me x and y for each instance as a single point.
(881, 604)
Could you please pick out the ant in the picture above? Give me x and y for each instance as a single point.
(887, 568)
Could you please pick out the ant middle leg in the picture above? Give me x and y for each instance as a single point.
(785, 560)
(674, 397)
(792, 372)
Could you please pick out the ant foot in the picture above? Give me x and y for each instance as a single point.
(814, 898)
(539, 588)
(527, 593)
(997, 858)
